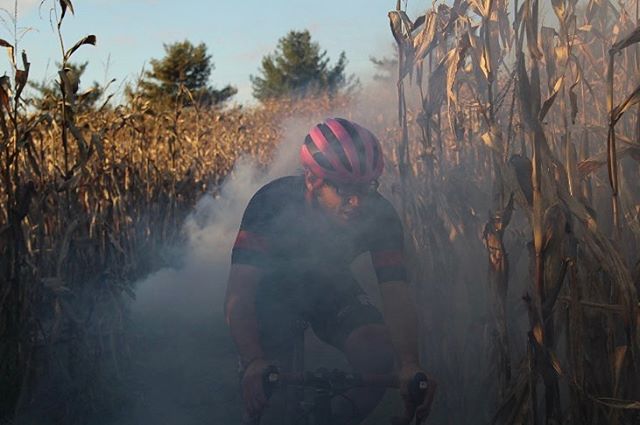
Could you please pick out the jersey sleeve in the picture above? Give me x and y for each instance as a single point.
(387, 245)
(253, 241)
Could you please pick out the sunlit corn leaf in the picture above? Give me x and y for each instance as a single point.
(531, 31)
(561, 53)
(538, 334)
(401, 25)
(9, 46)
(485, 63)
(90, 39)
(549, 102)
(5, 91)
(396, 26)
(481, 7)
(454, 65)
(493, 139)
(627, 41)
(559, 8)
(438, 82)
(631, 100)
(426, 40)
(403, 37)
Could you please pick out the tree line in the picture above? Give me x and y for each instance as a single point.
(297, 68)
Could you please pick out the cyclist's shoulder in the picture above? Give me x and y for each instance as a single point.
(278, 193)
(283, 184)
(381, 207)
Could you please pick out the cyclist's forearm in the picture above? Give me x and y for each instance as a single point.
(240, 310)
(402, 320)
(243, 325)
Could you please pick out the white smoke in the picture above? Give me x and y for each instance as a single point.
(196, 289)
(183, 350)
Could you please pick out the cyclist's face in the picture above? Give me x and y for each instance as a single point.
(343, 202)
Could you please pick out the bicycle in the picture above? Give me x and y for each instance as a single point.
(326, 385)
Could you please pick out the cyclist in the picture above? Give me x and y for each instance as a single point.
(291, 260)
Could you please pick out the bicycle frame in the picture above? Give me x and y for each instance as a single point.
(328, 384)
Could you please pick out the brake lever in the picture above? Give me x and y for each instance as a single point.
(418, 388)
(417, 393)
(270, 380)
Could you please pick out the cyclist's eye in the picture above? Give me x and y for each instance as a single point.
(359, 191)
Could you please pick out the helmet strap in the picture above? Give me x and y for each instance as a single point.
(311, 183)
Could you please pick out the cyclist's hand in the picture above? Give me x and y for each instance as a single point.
(252, 386)
(419, 409)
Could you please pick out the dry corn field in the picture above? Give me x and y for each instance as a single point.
(513, 155)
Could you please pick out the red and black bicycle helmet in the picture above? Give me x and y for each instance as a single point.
(343, 152)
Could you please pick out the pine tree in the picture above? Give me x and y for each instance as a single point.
(181, 76)
(48, 95)
(297, 68)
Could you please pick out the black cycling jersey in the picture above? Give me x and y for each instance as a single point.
(283, 233)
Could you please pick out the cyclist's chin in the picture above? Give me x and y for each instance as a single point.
(347, 216)
(342, 216)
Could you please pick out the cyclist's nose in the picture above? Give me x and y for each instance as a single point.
(353, 201)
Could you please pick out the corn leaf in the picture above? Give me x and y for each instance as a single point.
(549, 102)
(627, 41)
(64, 5)
(90, 39)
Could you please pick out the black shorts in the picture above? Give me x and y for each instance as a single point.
(332, 303)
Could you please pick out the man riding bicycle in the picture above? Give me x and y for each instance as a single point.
(291, 258)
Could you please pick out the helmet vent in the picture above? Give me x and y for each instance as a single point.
(317, 155)
(357, 142)
(336, 146)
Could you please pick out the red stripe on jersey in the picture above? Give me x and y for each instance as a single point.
(387, 259)
(251, 241)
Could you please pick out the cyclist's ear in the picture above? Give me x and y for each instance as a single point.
(311, 181)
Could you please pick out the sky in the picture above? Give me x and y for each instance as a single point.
(238, 34)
